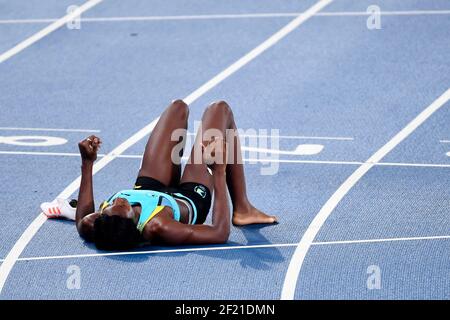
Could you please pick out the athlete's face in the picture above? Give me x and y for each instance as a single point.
(120, 207)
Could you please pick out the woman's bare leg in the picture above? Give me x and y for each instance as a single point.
(243, 211)
(220, 117)
(158, 161)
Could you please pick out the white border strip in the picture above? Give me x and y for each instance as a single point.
(232, 16)
(268, 160)
(29, 233)
(295, 265)
(47, 129)
(49, 29)
(212, 248)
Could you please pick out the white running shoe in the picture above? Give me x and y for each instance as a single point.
(58, 208)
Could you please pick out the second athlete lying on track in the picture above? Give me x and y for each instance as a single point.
(166, 206)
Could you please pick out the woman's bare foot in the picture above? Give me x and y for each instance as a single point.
(252, 216)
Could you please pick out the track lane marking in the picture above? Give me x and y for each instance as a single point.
(32, 229)
(289, 137)
(233, 16)
(189, 133)
(47, 30)
(295, 265)
(335, 162)
(210, 248)
(47, 129)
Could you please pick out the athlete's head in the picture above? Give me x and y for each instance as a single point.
(115, 229)
(115, 233)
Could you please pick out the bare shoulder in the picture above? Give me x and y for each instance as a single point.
(155, 226)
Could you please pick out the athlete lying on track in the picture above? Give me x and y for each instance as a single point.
(164, 206)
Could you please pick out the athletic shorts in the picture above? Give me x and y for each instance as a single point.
(197, 192)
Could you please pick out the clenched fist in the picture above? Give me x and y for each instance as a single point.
(89, 147)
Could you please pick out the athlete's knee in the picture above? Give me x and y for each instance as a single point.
(179, 108)
(221, 107)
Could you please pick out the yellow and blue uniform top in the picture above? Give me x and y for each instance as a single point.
(151, 202)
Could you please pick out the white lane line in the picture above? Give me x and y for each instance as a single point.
(300, 150)
(295, 265)
(385, 13)
(387, 164)
(268, 160)
(189, 133)
(212, 248)
(37, 153)
(379, 240)
(297, 137)
(283, 32)
(47, 30)
(47, 129)
(288, 137)
(231, 16)
(29, 233)
(419, 165)
(444, 141)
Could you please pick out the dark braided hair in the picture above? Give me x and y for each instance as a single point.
(115, 233)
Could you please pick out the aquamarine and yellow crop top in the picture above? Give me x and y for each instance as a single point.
(152, 202)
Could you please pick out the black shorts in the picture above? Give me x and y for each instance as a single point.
(197, 192)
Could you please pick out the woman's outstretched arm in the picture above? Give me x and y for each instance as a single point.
(88, 150)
